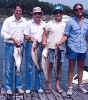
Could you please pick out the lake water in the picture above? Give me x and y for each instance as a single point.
(1, 56)
(64, 79)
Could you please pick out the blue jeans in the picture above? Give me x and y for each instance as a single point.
(29, 68)
(9, 65)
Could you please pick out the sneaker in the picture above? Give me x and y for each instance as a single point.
(82, 89)
(28, 91)
(20, 91)
(69, 92)
(9, 92)
(40, 90)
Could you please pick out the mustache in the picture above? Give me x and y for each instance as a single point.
(80, 16)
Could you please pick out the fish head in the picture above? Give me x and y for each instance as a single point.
(35, 44)
(45, 52)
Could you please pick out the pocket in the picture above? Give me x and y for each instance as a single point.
(76, 28)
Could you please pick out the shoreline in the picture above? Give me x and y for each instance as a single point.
(45, 18)
(2, 18)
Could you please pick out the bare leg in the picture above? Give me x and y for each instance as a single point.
(70, 76)
(70, 72)
(57, 79)
(80, 71)
(80, 75)
(50, 76)
(49, 79)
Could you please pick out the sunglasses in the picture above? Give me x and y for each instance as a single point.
(58, 12)
(37, 13)
(78, 9)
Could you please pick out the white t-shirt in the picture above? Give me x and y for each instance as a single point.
(35, 30)
(56, 30)
(13, 28)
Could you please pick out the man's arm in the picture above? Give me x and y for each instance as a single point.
(44, 38)
(64, 38)
(16, 42)
(29, 38)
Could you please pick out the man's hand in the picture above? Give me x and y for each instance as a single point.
(33, 39)
(64, 38)
(44, 43)
(57, 44)
(17, 43)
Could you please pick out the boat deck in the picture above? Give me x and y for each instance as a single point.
(77, 95)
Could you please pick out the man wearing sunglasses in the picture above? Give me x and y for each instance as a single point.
(35, 30)
(53, 33)
(76, 33)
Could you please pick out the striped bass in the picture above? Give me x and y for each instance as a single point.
(34, 54)
(57, 60)
(18, 57)
(45, 62)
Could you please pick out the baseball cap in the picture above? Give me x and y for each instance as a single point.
(36, 9)
(58, 8)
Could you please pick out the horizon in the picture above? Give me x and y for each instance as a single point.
(69, 3)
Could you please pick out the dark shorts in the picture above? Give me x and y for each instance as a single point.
(73, 55)
(51, 56)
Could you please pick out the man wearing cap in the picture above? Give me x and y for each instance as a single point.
(53, 33)
(35, 31)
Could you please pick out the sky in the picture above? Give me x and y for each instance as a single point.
(68, 2)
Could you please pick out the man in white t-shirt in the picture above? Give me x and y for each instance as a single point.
(35, 29)
(53, 33)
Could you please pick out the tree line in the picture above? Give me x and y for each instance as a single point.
(6, 7)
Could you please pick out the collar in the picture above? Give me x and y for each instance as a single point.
(34, 21)
(15, 20)
(76, 18)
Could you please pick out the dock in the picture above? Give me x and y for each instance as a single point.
(54, 95)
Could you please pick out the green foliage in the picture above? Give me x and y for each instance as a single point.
(7, 5)
(27, 6)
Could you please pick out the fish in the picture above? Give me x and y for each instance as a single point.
(18, 57)
(57, 60)
(34, 54)
(45, 62)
